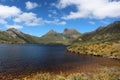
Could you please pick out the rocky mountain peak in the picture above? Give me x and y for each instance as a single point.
(13, 32)
(52, 32)
(70, 31)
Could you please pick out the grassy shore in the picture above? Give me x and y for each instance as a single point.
(100, 74)
(106, 49)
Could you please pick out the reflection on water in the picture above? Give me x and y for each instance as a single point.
(24, 58)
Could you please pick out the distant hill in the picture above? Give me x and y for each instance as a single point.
(12, 35)
(105, 41)
(107, 33)
(71, 33)
(60, 38)
(110, 32)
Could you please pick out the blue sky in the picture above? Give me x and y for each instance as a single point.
(37, 17)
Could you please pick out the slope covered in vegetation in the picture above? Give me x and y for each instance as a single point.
(16, 37)
(66, 37)
(105, 41)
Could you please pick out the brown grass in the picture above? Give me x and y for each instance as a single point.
(105, 73)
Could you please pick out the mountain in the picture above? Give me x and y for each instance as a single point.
(51, 32)
(105, 41)
(7, 38)
(12, 35)
(110, 32)
(52, 37)
(71, 33)
(60, 38)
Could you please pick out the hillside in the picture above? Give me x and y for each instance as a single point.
(108, 33)
(14, 36)
(60, 38)
(105, 41)
(71, 33)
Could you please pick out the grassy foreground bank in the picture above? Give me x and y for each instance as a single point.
(100, 74)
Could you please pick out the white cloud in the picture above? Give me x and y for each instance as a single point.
(91, 22)
(2, 21)
(8, 12)
(30, 19)
(56, 22)
(14, 26)
(31, 5)
(15, 16)
(53, 11)
(105, 22)
(98, 9)
(62, 23)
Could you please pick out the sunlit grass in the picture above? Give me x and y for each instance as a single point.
(107, 49)
(100, 74)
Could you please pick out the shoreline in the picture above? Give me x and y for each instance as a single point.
(103, 73)
(67, 71)
(93, 54)
(92, 69)
(106, 49)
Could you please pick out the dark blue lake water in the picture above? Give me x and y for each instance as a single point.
(23, 58)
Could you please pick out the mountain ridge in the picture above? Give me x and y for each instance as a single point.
(15, 36)
(59, 38)
(110, 32)
(106, 33)
(104, 41)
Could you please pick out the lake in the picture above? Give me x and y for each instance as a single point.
(19, 59)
